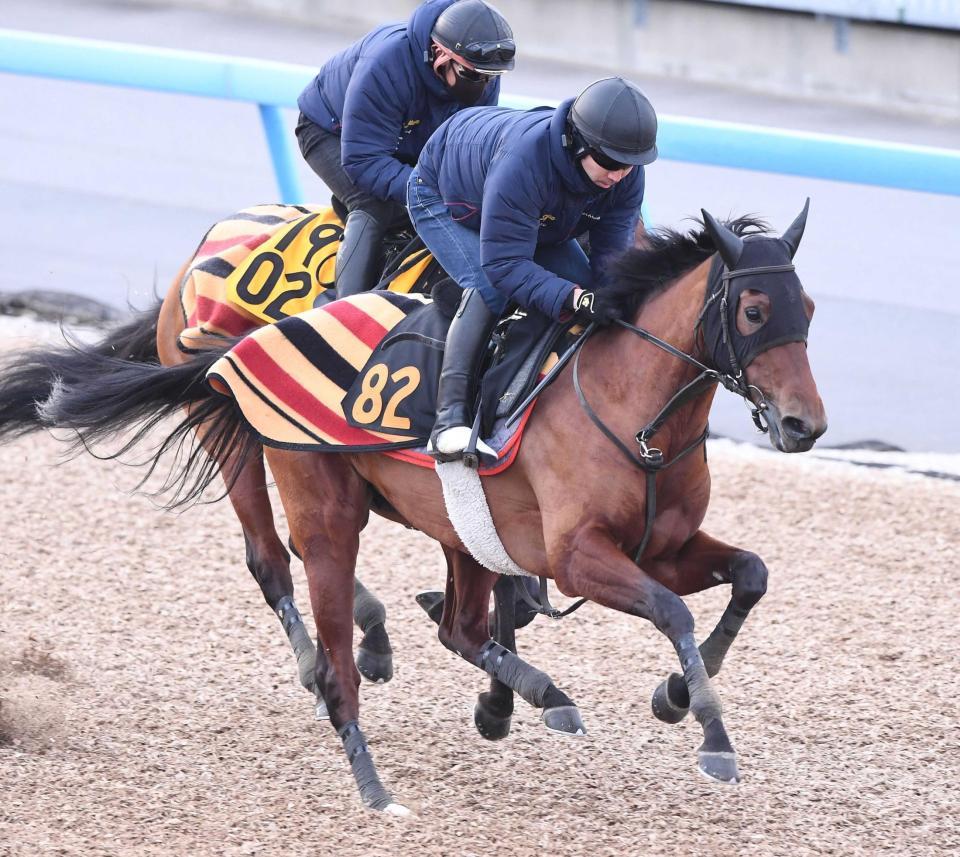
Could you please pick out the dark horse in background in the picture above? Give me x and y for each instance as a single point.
(618, 522)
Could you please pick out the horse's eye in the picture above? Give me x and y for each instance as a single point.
(753, 314)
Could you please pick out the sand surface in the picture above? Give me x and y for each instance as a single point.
(149, 704)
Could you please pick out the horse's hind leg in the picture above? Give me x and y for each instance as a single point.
(327, 504)
(705, 562)
(494, 708)
(465, 629)
(374, 654)
(267, 558)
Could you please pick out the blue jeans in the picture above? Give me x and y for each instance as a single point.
(457, 247)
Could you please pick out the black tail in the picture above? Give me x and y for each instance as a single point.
(27, 378)
(118, 395)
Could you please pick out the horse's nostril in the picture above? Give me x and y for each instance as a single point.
(795, 427)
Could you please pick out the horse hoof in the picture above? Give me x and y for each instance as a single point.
(320, 711)
(564, 719)
(490, 724)
(432, 604)
(375, 667)
(664, 708)
(398, 809)
(374, 655)
(719, 767)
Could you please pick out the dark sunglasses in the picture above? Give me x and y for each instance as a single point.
(469, 74)
(606, 163)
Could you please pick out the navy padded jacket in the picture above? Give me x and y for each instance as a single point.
(384, 100)
(507, 174)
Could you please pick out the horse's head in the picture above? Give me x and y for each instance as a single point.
(755, 325)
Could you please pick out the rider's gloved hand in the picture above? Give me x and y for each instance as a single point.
(586, 309)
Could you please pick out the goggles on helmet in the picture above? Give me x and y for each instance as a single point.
(470, 74)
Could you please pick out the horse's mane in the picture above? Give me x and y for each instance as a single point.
(642, 272)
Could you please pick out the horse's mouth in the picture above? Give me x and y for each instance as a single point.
(790, 433)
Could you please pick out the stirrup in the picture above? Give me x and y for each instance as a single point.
(450, 444)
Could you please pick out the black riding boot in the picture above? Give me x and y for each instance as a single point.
(466, 341)
(360, 257)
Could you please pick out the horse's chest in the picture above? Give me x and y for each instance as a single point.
(678, 516)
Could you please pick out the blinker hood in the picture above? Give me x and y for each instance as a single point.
(764, 266)
(759, 263)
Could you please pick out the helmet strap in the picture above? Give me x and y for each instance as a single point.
(574, 142)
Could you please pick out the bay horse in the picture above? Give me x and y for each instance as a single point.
(720, 306)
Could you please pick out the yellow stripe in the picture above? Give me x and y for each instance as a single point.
(262, 417)
(340, 338)
(379, 308)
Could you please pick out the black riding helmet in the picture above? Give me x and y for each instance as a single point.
(614, 117)
(477, 32)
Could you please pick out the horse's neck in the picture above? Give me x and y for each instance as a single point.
(645, 377)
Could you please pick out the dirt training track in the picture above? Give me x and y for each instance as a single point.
(150, 706)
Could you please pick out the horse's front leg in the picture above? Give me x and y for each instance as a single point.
(465, 629)
(704, 562)
(590, 564)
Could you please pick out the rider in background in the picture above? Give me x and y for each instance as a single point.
(370, 110)
(499, 197)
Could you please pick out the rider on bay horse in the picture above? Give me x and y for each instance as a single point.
(372, 107)
(499, 197)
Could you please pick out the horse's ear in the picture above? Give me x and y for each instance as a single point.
(727, 242)
(795, 232)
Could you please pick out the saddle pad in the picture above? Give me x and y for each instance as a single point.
(203, 295)
(264, 264)
(291, 379)
(354, 375)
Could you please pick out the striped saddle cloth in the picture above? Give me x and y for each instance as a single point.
(266, 263)
(356, 375)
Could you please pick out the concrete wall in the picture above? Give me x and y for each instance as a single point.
(898, 67)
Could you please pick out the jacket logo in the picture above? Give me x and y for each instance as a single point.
(591, 216)
(409, 125)
(546, 218)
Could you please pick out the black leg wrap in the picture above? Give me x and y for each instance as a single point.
(532, 684)
(303, 648)
(671, 700)
(372, 791)
(367, 609)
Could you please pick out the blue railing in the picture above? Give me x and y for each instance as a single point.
(274, 85)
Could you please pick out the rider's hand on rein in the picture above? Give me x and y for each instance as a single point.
(583, 303)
